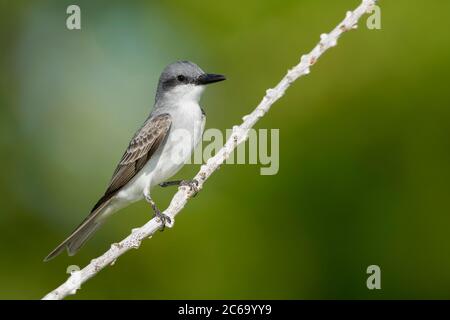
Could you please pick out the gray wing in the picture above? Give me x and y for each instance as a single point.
(143, 145)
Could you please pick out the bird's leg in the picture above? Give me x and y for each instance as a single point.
(170, 183)
(192, 184)
(161, 216)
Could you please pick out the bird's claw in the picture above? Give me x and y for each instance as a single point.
(164, 218)
(192, 184)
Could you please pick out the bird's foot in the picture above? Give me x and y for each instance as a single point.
(192, 184)
(164, 218)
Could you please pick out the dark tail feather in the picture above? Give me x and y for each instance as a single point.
(75, 241)
(81, 234)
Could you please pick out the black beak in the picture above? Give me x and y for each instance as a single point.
(208, 78)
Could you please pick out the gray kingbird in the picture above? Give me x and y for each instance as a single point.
(157, 151)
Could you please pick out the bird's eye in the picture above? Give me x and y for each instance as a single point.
(181, 78)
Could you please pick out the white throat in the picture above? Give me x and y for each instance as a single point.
(183, 94)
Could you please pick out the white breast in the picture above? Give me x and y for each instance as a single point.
(185, 133)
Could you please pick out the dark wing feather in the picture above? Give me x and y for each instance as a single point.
(143, 145)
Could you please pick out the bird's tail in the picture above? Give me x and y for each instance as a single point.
(81, 234)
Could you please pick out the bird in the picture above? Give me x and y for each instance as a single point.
(156, 152)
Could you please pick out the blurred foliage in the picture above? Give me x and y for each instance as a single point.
(364, 149)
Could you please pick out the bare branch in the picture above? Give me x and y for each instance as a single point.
(239, 135)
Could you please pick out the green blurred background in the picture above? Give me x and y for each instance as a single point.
(364, 149)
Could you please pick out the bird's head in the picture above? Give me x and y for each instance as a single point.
(184, 80)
